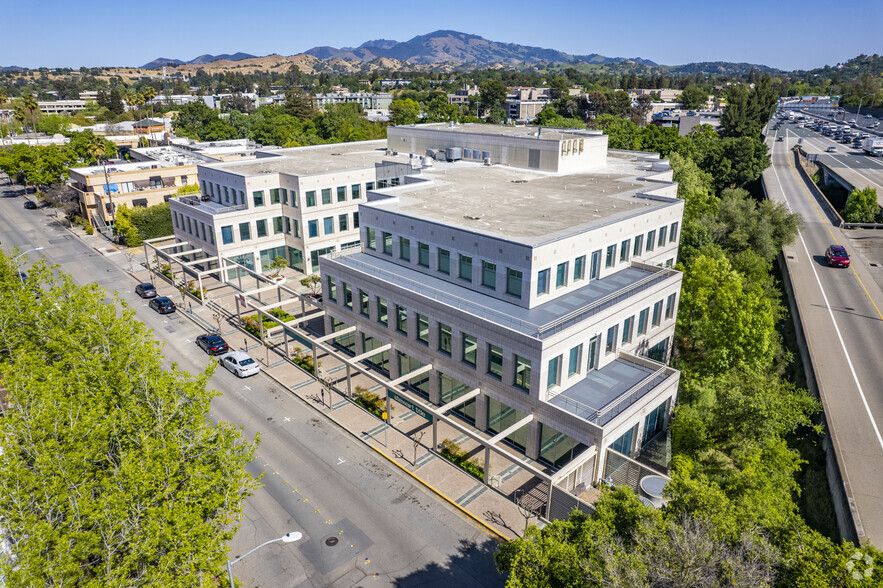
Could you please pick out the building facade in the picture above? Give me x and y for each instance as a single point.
(535, 279)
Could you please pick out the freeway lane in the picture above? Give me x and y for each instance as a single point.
(841, 314)
(317, 479)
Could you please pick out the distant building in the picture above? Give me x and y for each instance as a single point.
(461, 95)
(523, 104)
(148, 126)
(367, 100)
(61, 106)
(665, 94)
(394, 83)
(34, 139)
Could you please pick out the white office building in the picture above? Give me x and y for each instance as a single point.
(533, 271)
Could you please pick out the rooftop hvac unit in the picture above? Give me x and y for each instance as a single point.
(427, 161)
(453, 154)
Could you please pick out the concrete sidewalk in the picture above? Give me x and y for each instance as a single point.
(490, 507)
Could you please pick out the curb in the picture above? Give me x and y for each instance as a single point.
(429, 487)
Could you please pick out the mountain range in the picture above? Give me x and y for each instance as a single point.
(161, 61)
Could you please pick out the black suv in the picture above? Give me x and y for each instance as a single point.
(145, 290)
(162, 305)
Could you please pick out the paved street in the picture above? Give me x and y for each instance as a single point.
(318, 480)
(841, 314)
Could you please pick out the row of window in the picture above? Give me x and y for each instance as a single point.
(194, 227)
(358, 300)
(627, 329)
(283, 225)
(227, 195)
(564, 276)
(462, 264)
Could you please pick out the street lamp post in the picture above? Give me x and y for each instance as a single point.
(287, 538)
(16, 258)
(857, 112)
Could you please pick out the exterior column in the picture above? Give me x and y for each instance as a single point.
(434, 388)
(532, 445)
(481, 412)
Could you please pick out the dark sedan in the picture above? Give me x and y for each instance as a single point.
(30, 205)
(145, 290)
(837, 256)
(162, 305)
(212, 344)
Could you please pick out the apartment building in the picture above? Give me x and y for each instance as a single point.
(534, 276)
(297, 203)
(367, 100)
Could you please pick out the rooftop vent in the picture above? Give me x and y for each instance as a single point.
(471, 217)
(519, 181)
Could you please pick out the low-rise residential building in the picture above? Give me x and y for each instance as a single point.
(664, 94)
(367, 100)
(297, 203)
(461, 95)
(526, 282)
(61, 106)
(148, 126)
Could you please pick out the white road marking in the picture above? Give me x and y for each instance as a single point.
(246, 388)
(340, 461)
(287, 419)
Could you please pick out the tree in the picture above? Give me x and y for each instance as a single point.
(693, 97)
(277, 265)
(97, 430)
(861, 206)
(736, 119)
(404, 112)
(493, 94)
(122, 224)
(734, 162)
(299, 104)
(313, 282)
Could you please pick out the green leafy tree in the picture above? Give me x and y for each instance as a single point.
(735, 162)
(112, 473)
(52, 124)
(153, 221)
(299, 104)
(492, 94)
(313, 282)
(693, 97)
(404, 112)
(736, 120)
(861, 206)
(125, 228)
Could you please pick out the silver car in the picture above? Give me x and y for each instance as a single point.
(239, 363)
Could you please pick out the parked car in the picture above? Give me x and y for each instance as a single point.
(30, 205)
(832, 149)
(837, 256)
(162, 305)
(239, 363)
(213, 344)
(145, 290)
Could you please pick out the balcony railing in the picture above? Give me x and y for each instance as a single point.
(206, 204)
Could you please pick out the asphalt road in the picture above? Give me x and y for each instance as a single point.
(318, 480)
(841, 313)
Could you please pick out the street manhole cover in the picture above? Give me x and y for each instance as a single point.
(331, 541)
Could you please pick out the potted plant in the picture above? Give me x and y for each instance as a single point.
(276, 266)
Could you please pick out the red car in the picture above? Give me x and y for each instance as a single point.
(837, 256)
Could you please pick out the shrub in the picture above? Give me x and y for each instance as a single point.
(460, 457)
(166, 270)
(372, 402)
(304, 360)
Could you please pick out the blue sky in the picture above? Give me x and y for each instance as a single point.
(73, 34)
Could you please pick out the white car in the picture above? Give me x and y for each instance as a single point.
(239, 363)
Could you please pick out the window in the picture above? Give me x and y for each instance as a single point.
(670, 306)
(241, 196)
(543, 281)
(642, 321)
(387, 243)
(627, 330)
(258, 198)
(328, 223)
(513, 282)
(553, 378)
(332, 289)
(277, 225)
(595, 269)
(561, 275)
(574, 359)
(465, 267)
(294, 200)
(556, 448)
(594, 343)
(356, 220)
(470, 347)
(364, 308)
(226, 194)
(341, 193)
(311, 198)
(489, 274)
(405, 248)
(342, 222)
(444, 338)
(522, 373)
(261, 226)
(347, 294)
(372, 238)
(624, 250)
(444, 261)
(274, 195)
(657, 313)
(610, 347)
(639, 242)
(651, 240)
(579, 268)
(662, 236)
(284, 196)
(296, 259)
(495, 361)
(313, 228)
(356, 191)
(382, 316)
(369, 186)
(402, 319)
(673, 233)
(287, 222)
(326, 195)
(227, 234)
(422, 328)
(611, 256)
(296, 228)
(244, 232)
(422, 254)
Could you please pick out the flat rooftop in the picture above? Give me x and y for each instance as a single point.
(113, 168)
(505, 130)
(317, 159)
(539, 321)
(527, 206)
(173, 155)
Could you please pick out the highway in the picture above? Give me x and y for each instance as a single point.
(840, 310)
(363, 521)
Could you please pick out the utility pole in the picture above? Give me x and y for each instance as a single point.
(113, 214)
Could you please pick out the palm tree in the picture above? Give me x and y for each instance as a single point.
(3, 98)
(30, 104)
(149, 93)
